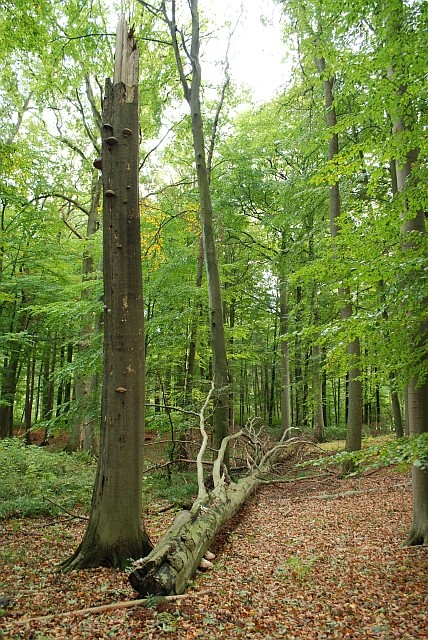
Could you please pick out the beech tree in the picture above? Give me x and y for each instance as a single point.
(192, 94)
(114, 531)
(413, 229)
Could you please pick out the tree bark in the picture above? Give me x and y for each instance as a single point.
(285, 359)
(221, 413)
(170, 566)
(11, 375)
(413, 225)
(396, 408)
(114, 532)
(354, 418)
(319, 426)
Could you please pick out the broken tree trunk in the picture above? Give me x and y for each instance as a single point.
(174, 560)
(115, 531)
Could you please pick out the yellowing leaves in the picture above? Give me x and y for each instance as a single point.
(154, 221)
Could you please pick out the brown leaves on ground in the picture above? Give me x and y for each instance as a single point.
(296, 563)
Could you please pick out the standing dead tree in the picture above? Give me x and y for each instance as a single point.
(115, 530)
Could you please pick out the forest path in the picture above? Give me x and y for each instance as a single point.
(298, 562)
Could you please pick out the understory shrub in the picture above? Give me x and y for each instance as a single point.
(34, 481)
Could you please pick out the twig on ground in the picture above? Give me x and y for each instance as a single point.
(340, 494)
(315, 478)
(72, 515)
(126, 604)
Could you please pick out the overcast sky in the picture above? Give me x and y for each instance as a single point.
(257, 52)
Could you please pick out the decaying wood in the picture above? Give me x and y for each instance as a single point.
(340, 494)
(174, 560)
(126, 604)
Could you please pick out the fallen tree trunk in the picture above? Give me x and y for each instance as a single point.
(170, 565)
(174, 560)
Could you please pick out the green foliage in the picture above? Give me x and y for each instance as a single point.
(402, 452)
(152, 601)
(333, 432)
(295, 568)
(35, 482)
(179, 488)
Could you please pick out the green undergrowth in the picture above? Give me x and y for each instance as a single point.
(178, 489)
(36, 482)
(376, 453)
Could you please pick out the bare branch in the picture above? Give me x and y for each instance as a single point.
(90, 95)
(126, 604)
(155, 11)
(170, 408)
(72, 146)
(218, 464)
(173, 33)
(89, 133)
(70, 226)
(221, 100)
(146, 157)
(14, 132)
(75, 203)
(202, 492)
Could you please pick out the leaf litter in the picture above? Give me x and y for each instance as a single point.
(301, 561)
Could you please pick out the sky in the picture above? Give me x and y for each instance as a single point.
(257, 52)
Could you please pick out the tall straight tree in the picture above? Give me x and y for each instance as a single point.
(192, 91)
(355, 409)
(413, 230)
(114, 532)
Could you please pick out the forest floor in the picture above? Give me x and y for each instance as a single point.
(302, 560)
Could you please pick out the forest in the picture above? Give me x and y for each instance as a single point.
(213, 320)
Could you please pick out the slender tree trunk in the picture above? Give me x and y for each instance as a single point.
(190, 373)
(396, 408)
(29, 393)
(114, 532)
(48, 385)
(354, 417)
(83, 426)
(319, 427)
(218, 343)
(271, 404)
(285, 360)
(10, 378)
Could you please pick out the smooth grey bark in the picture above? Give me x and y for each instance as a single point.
(413, 225)
(396, 409)
(417, 390)
(285, 359)
(319, 426)
(114, 533)
(355, 403)
(221, 413)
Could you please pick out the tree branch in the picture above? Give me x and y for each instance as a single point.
(126, 604)
(218, 464)
(91, 98)
(173, 33)
(202, 492)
